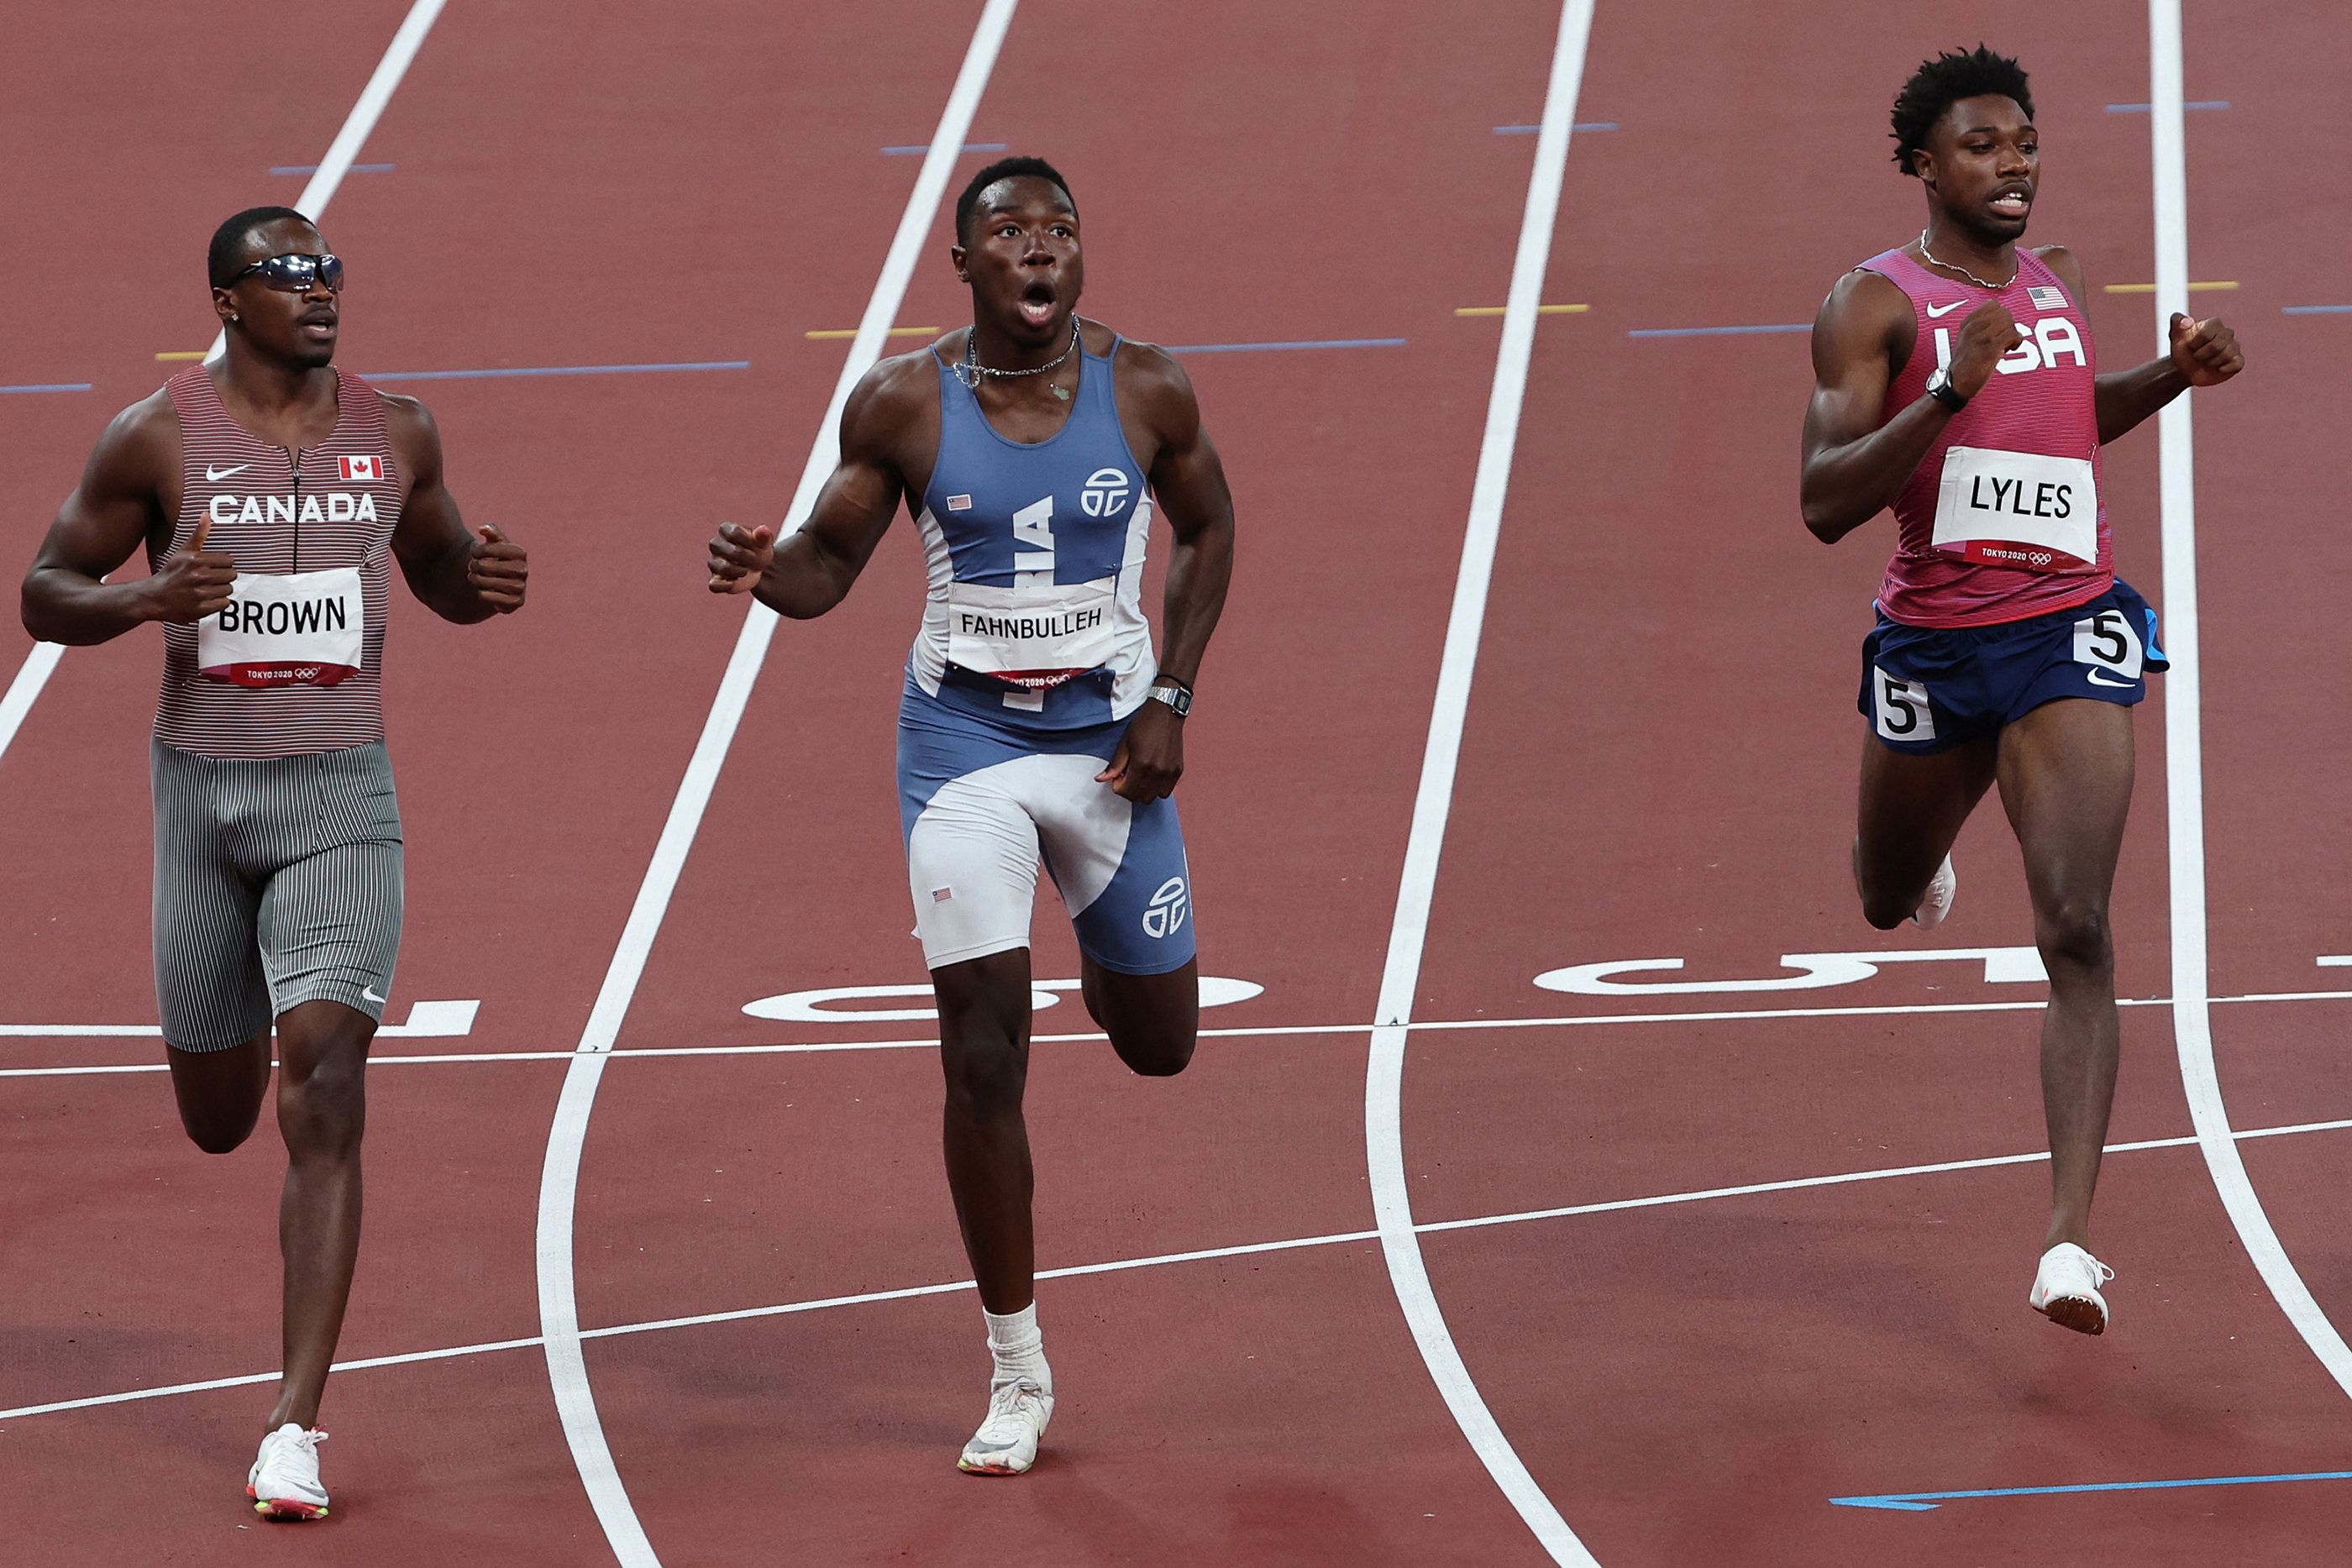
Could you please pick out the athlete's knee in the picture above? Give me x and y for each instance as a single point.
(217, 1134)
(986, 1078)
(323, 1112)
(2073, 933)
(1155, 1053)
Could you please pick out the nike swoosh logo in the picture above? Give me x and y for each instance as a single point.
(214, 476)
(2101, 678)
(1935, 311)
(370, 995)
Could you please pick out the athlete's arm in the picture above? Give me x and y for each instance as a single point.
(2203, 354)
(117, 506)
(1853, 465)
(1189, 481)
(810, 571)
(458, 574)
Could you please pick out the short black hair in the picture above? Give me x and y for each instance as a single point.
(1005, 169)
(1944, 81)
(225, 259)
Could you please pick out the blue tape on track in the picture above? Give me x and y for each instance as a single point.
(1582, 127)
(2142, 109)
(2316, 310)
(1924, 1501)
(1270, 348)
(49, 387)
(1720, 331)
(916, 149)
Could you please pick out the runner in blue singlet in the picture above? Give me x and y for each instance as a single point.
(1032, 449)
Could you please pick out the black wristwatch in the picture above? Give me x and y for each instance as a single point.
(1175, 694)
(1940, 388)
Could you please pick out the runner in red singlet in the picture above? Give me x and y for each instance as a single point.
(272, 492)
(1956, 382)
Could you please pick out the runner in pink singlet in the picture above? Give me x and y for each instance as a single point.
(1956, 382)
(272, 493)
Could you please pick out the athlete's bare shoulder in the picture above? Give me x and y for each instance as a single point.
(140, 449)
(1151, 381)
(1865, 316)
(2066, 265)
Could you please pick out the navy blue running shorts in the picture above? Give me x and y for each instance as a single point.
(1926, 689)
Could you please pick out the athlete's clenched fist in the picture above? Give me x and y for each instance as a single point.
(498, 571)
(193, 583)
(2205, 351)
(740, 555)
(1990, 332)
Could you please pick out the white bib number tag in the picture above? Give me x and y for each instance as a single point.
(306, 629)
(2106, 643)
(2017, 508)
(1033, 637)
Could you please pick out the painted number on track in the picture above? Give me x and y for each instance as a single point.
(1814, 971)
(856, 1004)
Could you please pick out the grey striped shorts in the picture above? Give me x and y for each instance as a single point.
(278, 881)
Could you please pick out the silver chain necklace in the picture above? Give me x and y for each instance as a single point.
(972, 371)
(1963, 271)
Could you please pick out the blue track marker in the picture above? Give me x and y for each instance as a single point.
(1531, 130)
(2142, 109)
(2316, 310)
(918, 149)
(1719, 331)
(49, 387)
(554, 371)
(1925, 1501)
(1269, 348)
(313, 168)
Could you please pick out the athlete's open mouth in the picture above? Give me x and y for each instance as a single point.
(1037, 303)
(2012, 201)
(317, 324)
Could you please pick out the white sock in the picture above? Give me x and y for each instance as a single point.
(1018, 1347)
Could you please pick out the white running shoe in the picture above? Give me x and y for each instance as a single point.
(1007, 1443)
(1938, 900)
(2066, 1289)
(284, 1481)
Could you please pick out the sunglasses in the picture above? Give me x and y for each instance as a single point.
(295, 274)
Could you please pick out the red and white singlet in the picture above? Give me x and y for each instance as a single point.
(2002, 519)
(293, 665)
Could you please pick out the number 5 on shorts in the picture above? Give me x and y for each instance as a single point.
(1902, 710)
(2107, 641)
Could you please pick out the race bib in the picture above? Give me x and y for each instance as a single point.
(306, 629)
(1033, 638)
(2017, 508)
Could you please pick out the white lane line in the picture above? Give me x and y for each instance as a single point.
(559, 1314)
(1246, 1249)
(2184, 764)
(1443, 1026)
(42, 661)
(1401, 975)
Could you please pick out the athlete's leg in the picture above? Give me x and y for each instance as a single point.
(1153, 1020)
(220, 1091)
(321, 1112)
(984, 1008)
(1911, 810)
(2066, 781)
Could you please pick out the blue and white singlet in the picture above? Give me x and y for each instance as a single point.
(1033, 653)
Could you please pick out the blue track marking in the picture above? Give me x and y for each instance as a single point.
(1925, 1501)
(1269, 348)
(2193, 104)
(916, 149)
(2316, 310)
(1719, 331)
(1531, 130)
(49, 387)
(313, 168)
(552, 370)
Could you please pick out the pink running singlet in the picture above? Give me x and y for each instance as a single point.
(2002, 519)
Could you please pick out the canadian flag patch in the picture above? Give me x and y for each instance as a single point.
(370, 469)
(2046, 298)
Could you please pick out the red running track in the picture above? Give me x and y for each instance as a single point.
(1658, 762)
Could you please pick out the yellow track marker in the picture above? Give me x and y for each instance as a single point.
(848, 332)
(1540, 309)
(183, 354)
(2150, 287)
